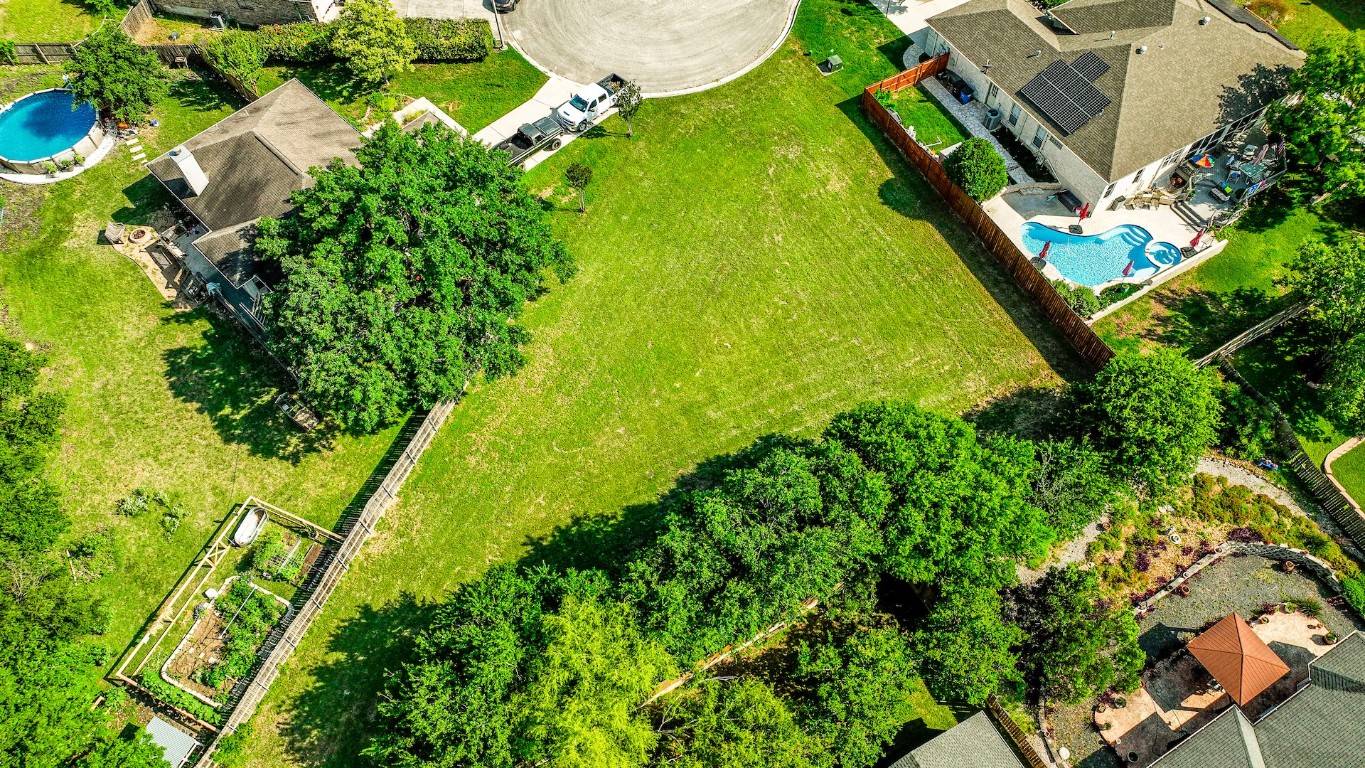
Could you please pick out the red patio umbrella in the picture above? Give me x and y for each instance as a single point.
(1085, 210)
(1128, 270)
(1047, 246)
(1200, 236)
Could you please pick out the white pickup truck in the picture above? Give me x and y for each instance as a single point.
(578, 113)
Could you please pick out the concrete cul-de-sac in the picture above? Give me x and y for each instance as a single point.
(667, 46)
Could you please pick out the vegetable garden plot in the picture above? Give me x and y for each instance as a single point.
(206, 638)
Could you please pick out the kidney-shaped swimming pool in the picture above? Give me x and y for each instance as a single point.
(1125, 252)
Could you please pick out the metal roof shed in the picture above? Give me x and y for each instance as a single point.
(175, 744)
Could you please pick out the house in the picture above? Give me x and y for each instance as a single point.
(1321, 724)
(1113, 94)
(972, 743)
(254, 12)
(241, 169)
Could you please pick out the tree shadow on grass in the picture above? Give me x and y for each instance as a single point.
(1033, 413)
(146, 197)
(1267, 212)
(203, 93)
(232, 382)
(1283, 367)
(911, 196)
(1201, 321)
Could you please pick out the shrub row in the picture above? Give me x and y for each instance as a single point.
(458, 40)
(450, 39)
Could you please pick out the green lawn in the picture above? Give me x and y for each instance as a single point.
(46, 21)
(168, 400)
(754, 260)
(1307, 20)
(474, 94)
(1224, 296)
(1350, 472)
(934, 127)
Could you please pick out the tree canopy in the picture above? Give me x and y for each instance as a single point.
(403, 277)
(1324, 119)
(1332, 277)
(1155, 415)
(1077, 644)
(115, 74)
(977, 168)
(373, 41)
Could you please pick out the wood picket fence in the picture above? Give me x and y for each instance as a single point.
(1072, 326)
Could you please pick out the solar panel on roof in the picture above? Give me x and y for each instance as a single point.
(1065, 95)
(1090, 66)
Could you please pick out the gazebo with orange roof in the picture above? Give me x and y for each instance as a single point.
(1239, 660)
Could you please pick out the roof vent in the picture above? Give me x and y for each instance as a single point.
(1142, 49)
(1204, 21)
(189, 168)
(1112, 34)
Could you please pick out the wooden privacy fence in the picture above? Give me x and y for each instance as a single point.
(1324, 491)
(356, 529)
(1016, 734)
(42, 53)
(137, 17)
(1082, 338)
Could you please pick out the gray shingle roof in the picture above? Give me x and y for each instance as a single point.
(972, 743)
(1228, 741)
(1191, 79)
(255, 157)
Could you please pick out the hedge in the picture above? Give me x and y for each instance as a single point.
(308, 42)
(450, 39)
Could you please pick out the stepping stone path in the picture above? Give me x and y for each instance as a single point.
(135, 146)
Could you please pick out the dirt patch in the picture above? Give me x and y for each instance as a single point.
(201, 651)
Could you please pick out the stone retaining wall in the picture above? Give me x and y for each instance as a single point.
(1319, 568)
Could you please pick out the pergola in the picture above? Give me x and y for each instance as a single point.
(1239, 660)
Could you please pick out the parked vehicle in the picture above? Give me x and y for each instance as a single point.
(503, 6)
(578, 113)
(530, 138)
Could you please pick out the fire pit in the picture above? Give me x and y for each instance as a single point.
(141, 235)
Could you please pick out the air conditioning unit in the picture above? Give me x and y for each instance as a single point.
(993, 118)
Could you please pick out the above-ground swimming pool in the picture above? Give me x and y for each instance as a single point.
(47, 126)
(1092, 260)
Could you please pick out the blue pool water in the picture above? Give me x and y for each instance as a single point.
(43, 124)
(1094, 259)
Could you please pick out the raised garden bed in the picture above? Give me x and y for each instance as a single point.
(222, 644)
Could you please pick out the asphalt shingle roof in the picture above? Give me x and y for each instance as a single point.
(972, 743)
(1191, 78)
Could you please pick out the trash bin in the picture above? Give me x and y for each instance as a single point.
(966, 94)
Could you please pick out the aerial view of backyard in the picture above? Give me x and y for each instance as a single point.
(823, 383)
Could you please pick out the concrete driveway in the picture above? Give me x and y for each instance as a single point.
(667, 46)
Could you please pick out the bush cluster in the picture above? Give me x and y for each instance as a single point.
(306, 42)
(977, 168)
(1215, 499)
(449, 39)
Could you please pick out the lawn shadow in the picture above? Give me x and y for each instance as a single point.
(232, 382)
(329, 724)
(1285, 368)
(910, 195)
(1201, 321)
(1033, 413)
(203, 93)
(146, 197)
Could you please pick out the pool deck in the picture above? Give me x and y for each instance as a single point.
(42, 178)
(1023, 203)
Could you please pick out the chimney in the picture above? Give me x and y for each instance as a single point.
(189, 168)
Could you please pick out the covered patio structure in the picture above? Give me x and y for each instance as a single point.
(1239, 661)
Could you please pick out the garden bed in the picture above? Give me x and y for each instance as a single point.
(222, 644)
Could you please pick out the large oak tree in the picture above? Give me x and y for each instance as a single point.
(404, 276)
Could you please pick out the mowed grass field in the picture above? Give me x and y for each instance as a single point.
(172, 401)
(753, 261)
(46, 21)
(1350, 472)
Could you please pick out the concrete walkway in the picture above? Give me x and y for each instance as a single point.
(1338, 452)
(911, 16)
(551, 95)
(445, 9)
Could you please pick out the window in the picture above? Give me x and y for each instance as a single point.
(1039, 136)
(1110, 190)
(1014, 114)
